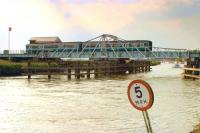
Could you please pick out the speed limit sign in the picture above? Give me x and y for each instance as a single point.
(140, 95)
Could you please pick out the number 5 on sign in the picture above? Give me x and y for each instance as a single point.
(141, 97)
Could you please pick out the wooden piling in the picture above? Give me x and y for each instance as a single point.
(95, 69)
(49, 71)
(68, 66)
(77, 70)
(69, 73)
(85, 68)
(88, 70)
(29, 72)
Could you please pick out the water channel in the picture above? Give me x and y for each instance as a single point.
(100, 105)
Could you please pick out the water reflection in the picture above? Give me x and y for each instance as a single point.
(97, 106)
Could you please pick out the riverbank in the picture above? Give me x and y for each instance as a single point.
(196, 129)
(10, 68)
(154, 63)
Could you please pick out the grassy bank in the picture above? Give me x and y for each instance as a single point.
(154, 63)
(9, 68)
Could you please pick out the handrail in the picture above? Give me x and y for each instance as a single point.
(192, 69)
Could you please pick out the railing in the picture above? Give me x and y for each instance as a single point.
(12, 51)
(192, 73)
(134, 53)
(110, 54)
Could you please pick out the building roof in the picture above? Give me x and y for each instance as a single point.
(45, 39)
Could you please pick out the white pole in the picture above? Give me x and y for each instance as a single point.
(9, 30)
(9, 41)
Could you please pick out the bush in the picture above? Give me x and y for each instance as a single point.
(154, 63)
(10, 69)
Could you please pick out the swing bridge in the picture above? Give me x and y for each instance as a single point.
(104, 46)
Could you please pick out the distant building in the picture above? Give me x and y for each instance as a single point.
(39, 40)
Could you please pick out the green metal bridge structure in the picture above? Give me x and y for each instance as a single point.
(103, 46)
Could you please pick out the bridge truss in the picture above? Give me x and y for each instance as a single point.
(103, 47)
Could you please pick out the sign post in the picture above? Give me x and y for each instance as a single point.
(141, 97)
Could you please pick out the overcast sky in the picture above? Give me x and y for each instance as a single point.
(168, 23)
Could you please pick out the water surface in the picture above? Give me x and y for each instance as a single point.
(101, 105)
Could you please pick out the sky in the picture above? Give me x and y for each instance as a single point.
(168, 23)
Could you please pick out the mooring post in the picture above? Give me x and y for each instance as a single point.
(109, 68)
(77, 70)
(130, 67)
(29, 73)
(68, 71)
(115, 67)
(88, 70)
(146, 64)
(106, 68)
(95, 69)
(149, 66)
(134, 67)
(49, 71)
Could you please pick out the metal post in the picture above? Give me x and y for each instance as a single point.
(146, 122)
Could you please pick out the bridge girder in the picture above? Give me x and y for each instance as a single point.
(108, 46)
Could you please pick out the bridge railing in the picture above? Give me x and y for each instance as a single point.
(12, 52)
(157, 53)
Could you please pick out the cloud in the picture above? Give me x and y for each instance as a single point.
(28, 18)
(101, 15)
(165, 22)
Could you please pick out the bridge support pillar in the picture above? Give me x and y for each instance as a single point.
(49, 71)
(148, 68)
(145, 68)
(88, 70)
(29, 71)
(95, 69)
(69, 73)
(77, 70)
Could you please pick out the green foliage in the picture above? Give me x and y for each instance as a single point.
(39, 65)
(9, 68)
(54, 65)
(154, 63)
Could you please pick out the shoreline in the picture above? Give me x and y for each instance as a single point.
(196, 129)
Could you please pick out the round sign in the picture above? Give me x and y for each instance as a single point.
(140, 95)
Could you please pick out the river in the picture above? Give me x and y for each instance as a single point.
(100, 105)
